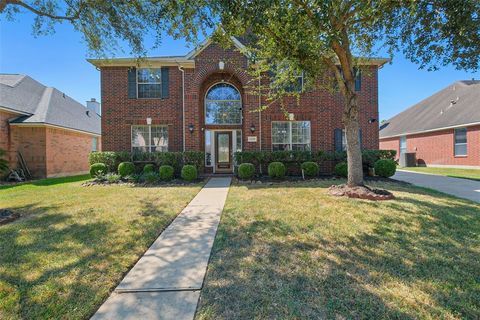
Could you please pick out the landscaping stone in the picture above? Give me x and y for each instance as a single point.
(361, 192)
(7, 216)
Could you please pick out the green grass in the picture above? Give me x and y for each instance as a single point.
(472, 174)
(294, 252)
(73, 244)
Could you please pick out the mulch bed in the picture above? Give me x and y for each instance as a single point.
(7, 216)
(362, 192)
(172, 183)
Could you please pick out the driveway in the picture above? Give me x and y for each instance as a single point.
(462, 188)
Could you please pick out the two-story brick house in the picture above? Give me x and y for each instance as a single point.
(201, 102)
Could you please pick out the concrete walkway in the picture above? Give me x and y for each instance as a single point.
(166, 282)
(462, 188)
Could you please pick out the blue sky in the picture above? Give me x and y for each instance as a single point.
(58, 60)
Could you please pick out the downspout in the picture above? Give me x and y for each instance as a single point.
(260, 112)
(183, 105)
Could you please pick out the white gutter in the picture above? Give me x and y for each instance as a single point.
(432, 130)
(183, 105)
(260, 112)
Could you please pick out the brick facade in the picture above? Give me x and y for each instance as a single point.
(47, 151)
(437, 148)
(321, 107)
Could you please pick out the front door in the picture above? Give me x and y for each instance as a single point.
(223, 150)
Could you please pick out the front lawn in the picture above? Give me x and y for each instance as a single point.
(472, 174)
(293, 252)
(73, 244)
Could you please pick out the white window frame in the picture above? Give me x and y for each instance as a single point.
(290, 143)
(455, 143)
(149, 146)
(344, 140)
(140, 83)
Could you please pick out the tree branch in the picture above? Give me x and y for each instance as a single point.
(20, 3)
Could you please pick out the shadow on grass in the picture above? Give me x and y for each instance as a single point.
(47, 182)
(271, 269)
(57, 266)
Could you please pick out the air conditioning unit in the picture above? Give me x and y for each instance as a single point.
(408, 159)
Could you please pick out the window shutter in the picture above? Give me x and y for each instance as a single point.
(360, 138)
(338, 139)
(165, 82)
(358, 79)
(132, 83)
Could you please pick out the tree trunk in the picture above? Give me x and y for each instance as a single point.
(352, 133)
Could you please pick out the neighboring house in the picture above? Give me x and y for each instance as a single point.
(443, 130)
(202, 101)
(53, 132)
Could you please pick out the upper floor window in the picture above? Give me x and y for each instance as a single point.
(223, 105)
(358, 79)
(461, 142)
(149, 83)
(149, 138)
(290, 135)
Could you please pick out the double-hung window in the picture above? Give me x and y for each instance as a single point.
(149, 138)
(149, 83)
(290, 135)
(461, 142)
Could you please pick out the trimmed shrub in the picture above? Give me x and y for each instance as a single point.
(246, 171)
(310, 168)
(150, 177)
(126, 169)
(276, 170)
(189, 172)
(166, 172)
(385, 168)
(112, 177)
(148, 168)
(97, 169)
(109, 158)
(341, 169)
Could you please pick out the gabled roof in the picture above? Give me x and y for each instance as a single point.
(188, 60)
(455, 106)
(38, 104)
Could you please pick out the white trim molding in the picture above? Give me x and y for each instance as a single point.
(47, 125)
(431, 130)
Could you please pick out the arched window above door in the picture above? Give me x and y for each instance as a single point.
(223, 105)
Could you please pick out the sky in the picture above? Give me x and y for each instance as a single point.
(59, 61)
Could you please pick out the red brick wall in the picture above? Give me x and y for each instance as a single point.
(67, 152)
(321, 107)
(31, 142)
(5, 142)
(437, 148)
(391, 144)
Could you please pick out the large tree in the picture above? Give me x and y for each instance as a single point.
(314, 36)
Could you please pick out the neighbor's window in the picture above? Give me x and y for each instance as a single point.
(149, 83)
(403, 144)
(461, 142)
(223, 105)
(290, 135)
(94, 144)
(149, 138)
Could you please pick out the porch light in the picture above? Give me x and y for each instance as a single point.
(190, 128)
(221, 65)
(149, 121)
(252, 128)
(372, 120)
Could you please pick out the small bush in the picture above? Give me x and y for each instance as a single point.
(135, 178)
(246, 171)
(310, 168)
(97, 169)
(276, 170)
(112, 177)
(341, 169)
(151, 177)
(385, 168)
(126, 169)
(148, 168)
(166, 172)
(189, 172)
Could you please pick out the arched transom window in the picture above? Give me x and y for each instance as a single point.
(223, 105)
